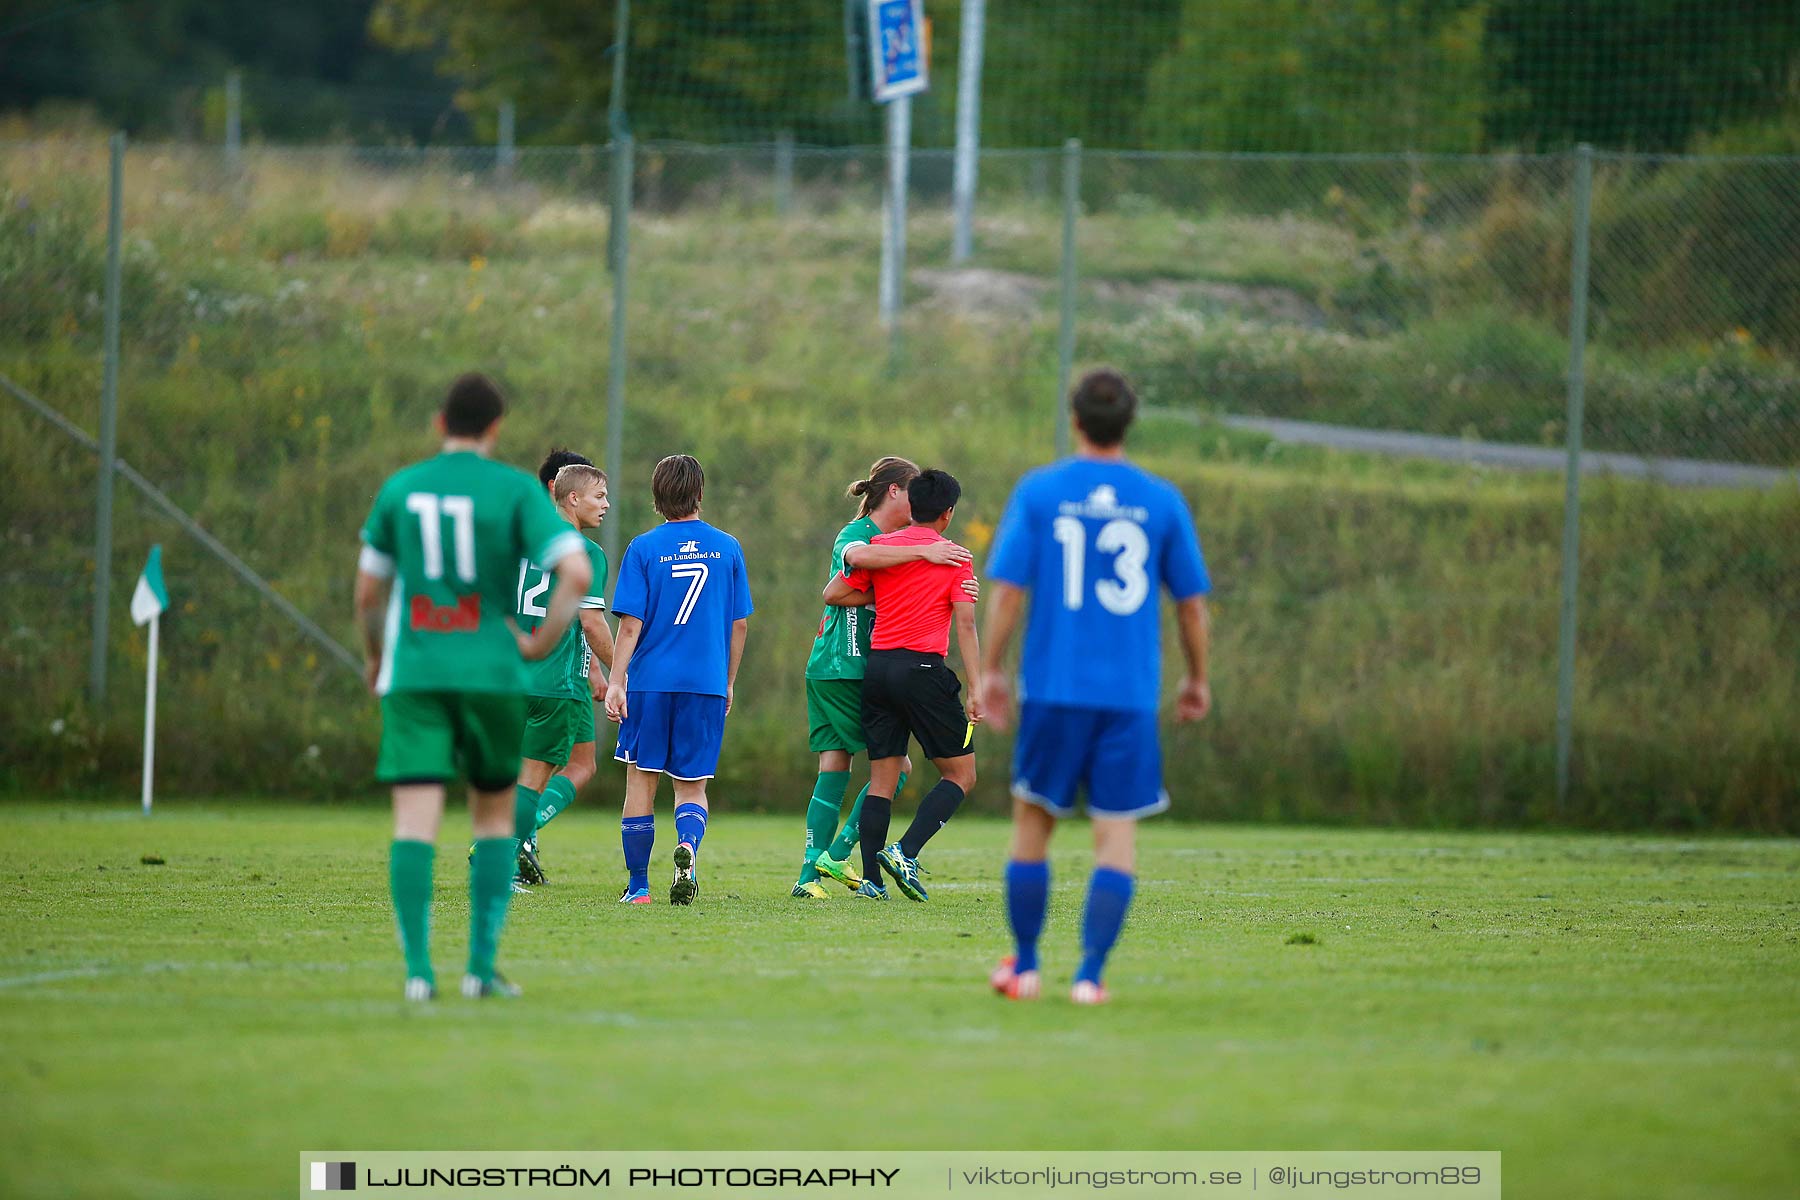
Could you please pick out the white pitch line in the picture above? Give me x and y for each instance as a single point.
(14, 981)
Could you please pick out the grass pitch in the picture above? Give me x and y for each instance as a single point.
(1617, 1015)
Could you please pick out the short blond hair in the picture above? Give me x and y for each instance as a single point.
(574, 478)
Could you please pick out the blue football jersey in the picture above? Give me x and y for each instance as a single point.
(1096, 543)
(686, 582)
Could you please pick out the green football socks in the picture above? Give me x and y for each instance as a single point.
(409, 881)
(558, 794)
(822, 817)
(525, 808)
(490, 888)
(847, 836)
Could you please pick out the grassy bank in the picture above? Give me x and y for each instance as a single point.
(1385, 632)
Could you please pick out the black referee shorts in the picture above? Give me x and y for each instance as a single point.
(909, 694)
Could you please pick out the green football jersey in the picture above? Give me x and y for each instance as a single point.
(842, 645)
(564, 674)
(450, 532)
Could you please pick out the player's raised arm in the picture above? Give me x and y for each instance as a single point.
(846, 594)
(865, 557)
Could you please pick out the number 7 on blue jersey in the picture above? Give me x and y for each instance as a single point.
(695, 573)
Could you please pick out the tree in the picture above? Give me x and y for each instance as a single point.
(1290, 75)
(707, 70)
(146, 64)
(1636, 74)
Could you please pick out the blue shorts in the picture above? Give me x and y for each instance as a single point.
(1114, 755)
(677, 733)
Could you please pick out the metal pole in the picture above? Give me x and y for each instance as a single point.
(109, 428)
(893, 241)
(1571, 541)
(615, 103)
(1065, 341)
(968, 127)
(150, 714)
(234, 117)
(615, 381)
(503, 151)
(784, 172)
(615, 124)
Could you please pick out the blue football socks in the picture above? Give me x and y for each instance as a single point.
(690, 824)
(1027, 896)
(638, 836)
(1108, 898)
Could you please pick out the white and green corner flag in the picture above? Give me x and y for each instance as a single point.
(147, 604)
(150, 598)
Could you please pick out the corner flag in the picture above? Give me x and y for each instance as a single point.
(150, 598)
(148, 603)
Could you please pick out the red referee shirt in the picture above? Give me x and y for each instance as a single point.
(913, 600)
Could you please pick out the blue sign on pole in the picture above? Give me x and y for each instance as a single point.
(897, 49)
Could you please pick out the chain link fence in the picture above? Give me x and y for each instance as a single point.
(1357, 368)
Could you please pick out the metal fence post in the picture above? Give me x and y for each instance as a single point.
(893, 259)
(615, 100)
(784, 172)
(615, 378)
(109, 428)
(1065, 341)
(1571, 541)
(968, 127)
(234, 118)
(503, 143)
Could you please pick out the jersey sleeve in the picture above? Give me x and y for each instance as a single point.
(1183, 567)
(845, 541)
(632, 597)
(596, 594)
(1014, 555)
(958, 577)
(741, 605)
(379, 547)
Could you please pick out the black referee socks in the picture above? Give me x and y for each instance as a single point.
(935, 811)
(877, 815)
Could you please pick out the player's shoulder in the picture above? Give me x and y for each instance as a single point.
(513, 478)
(1163, 489)
(859, 529)
(405, 478)
(729, 540)
(1040, 478)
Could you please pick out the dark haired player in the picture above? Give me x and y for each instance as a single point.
(683, 603)
(834, 672)
(559, 714)
(434, 591)
(908, 689)
(1094, 540)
